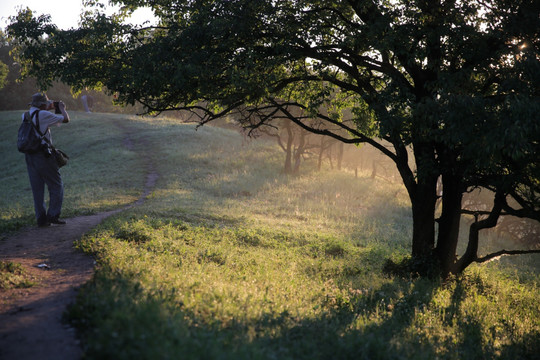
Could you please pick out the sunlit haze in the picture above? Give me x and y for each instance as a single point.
(65, 14)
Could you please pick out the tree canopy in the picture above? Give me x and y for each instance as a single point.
(448, 90)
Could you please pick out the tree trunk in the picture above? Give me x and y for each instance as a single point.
(288, 151)
(321, 153)
(341, 150)
(423, 200)
(300, 149)
(373, 169)
(422, 190)
(449, 222)
(330, 158)
(423, 212)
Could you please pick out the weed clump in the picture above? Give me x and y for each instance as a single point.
(334, 250)
(136, 232)
(12, 275)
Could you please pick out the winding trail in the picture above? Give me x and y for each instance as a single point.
(31, 324)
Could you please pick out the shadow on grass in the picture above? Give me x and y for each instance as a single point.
(119, 319)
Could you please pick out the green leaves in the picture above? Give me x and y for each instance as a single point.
(4, 70)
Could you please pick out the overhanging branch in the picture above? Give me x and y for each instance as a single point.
(481, 212)
(471, 252)
(360, 138)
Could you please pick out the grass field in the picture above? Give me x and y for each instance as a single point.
(230, 259)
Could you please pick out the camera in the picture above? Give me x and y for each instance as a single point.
(57, 107)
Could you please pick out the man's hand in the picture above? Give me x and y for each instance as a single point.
(62, 108)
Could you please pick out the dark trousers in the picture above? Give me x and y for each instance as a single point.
(44, 171)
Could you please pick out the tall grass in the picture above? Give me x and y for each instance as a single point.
(230, 259)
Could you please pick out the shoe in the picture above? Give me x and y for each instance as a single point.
(57, 221)
(45, 224)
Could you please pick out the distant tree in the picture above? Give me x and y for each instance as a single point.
(448, 90)
(294, 142)
(4, 70)
(299, 144)
(16, 91)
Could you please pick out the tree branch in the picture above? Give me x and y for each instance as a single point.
(498, 254)
(528, 210)
(470, 255)
(481, 212)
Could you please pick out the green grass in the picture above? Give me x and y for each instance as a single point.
(230, 259)
(13, 275)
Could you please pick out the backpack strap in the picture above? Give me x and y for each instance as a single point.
(36, 126)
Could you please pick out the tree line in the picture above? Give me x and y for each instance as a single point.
(16, 91)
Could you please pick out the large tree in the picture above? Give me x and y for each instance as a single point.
(446, 89)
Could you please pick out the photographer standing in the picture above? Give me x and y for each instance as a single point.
(42, 167)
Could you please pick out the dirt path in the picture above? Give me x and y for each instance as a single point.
(31, 319)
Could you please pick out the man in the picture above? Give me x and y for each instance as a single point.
(42, 167)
